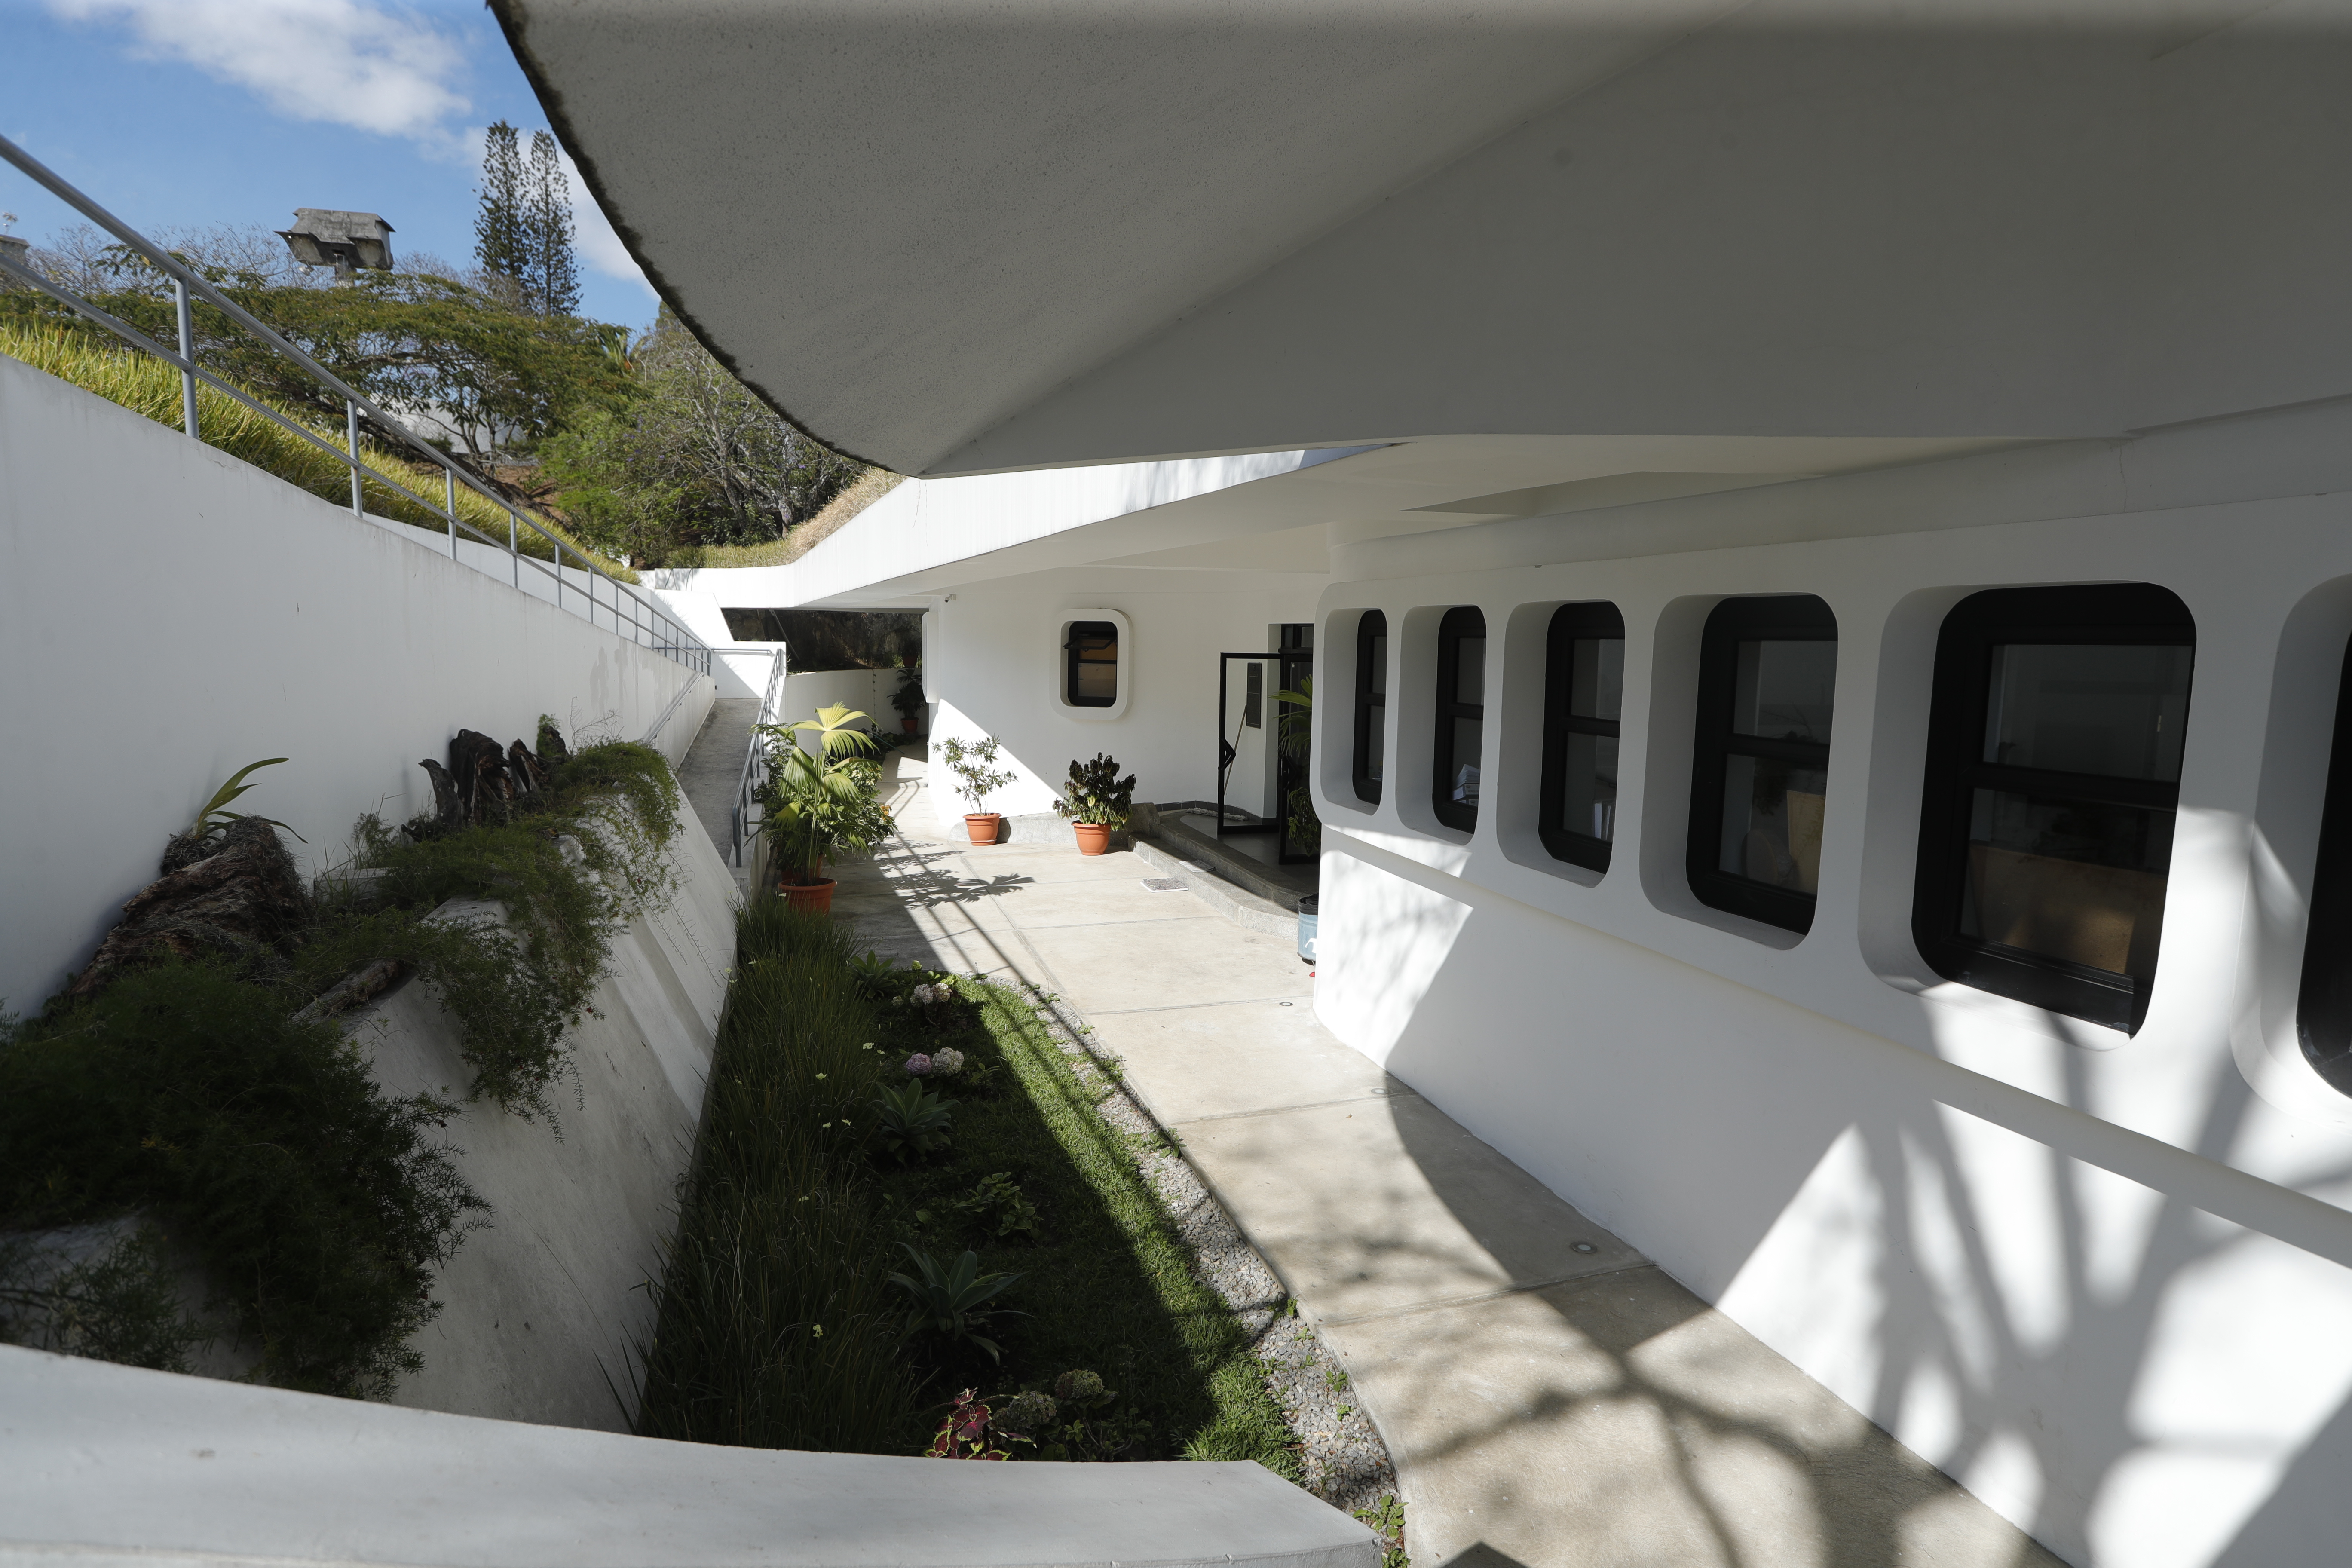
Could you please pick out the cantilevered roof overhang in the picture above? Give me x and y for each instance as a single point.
(956, 238)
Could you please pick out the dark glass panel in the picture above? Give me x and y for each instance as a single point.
(1784, 690)
(1589, 801)
(2071, 880)
(1772, 821)
(2088, 708)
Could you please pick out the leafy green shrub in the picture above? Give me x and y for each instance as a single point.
(952, 1300)
(319, 1207)
(1096, 795)
(911, 1119)
(573, 865)
(122, 1306)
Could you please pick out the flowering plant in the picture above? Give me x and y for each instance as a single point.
(947, 1060)
(919, 1065)
(964, 1433)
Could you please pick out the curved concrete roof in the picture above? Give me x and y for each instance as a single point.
(956, 238)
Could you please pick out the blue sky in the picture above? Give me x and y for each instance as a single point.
(237, 111)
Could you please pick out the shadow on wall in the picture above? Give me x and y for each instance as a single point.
(2137, 1382)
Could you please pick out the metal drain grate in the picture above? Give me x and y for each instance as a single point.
(1163, 884)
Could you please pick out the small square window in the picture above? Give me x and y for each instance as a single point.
(1759, 780)
(2054, 776)
(1091, 675)
(1584, 701)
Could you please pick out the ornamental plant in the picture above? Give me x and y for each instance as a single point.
(1096, 795)
(817, 804)
(974, 766)
(912, 1118)
(952, 1301)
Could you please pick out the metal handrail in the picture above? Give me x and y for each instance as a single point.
(755, 762)
(663, 633)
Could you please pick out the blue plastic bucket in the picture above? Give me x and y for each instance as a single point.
(1307, 927)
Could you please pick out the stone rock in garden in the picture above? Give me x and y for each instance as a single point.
(445, 792)
(234, 896)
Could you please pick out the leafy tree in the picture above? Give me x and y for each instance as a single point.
(695, 459)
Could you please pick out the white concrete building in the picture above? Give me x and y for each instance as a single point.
(1824, 535)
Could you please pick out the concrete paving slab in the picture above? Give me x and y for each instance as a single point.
(1621, 1420)
(1108, 968)
(1043, 863)
(1098, 901)
(1191, 1062)
(1381, 1205)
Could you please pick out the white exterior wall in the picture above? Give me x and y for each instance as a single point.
(2102, 1280)
(993, 659)
(169, 613)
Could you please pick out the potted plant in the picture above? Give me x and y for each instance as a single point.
(973, 764)
(1098, 800)
(815, 804)
(909, 699)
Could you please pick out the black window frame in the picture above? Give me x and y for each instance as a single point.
(1571, 624)
(1372, 703)
(2102, 614)
(2323, 1011)
(1458, 625)
(1779, 617)
(1071, 635)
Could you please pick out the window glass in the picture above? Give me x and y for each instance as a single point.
(1773, 822)
(2082, 708)
(2076, 880)
(1589, 803)
(1370, 762)
(1584, 697)
(1759, 778)
(2052, 786)
(1597, 677)
(1094, 664)
(1461, 716)
(1784, 690)
(1470, 670)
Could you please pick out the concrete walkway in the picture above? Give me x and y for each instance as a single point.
(1551, 1396)
(714, 766)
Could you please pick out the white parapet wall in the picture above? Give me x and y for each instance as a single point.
(169, 613)
(105, 1465)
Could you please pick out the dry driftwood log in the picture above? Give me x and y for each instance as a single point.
(551, 747)
(476, 760)
(232, 895)
(529, 772)
(444, 792)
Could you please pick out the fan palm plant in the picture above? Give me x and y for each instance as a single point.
(816, 804)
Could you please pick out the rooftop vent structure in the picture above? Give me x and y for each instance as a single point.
(344, 241)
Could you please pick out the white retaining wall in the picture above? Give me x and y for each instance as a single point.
(169, 613)
(544, 1313)
(2102, 1280)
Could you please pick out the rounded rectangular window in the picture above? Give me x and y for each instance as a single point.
(2053, 774)
(1090, 676)
(1371, 704)
(1760, 779)
(1461, 717)
(2324, 1007)
(1584, 701)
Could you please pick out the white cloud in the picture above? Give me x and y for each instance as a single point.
(593, 236)
(342, 61)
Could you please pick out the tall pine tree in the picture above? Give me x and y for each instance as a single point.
(554, 275)
(502, 246)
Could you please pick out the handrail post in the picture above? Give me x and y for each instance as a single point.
(450, 488)
(352, 429)
(188, 354)
(514, 555)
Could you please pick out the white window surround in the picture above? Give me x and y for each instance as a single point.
(1058, 664)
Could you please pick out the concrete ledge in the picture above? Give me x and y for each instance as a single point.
(103, 1464)
(1235, 902)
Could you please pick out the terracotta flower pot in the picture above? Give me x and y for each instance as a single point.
(1093, 837)
(909, 724)
(982, 826)
(816, 898)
